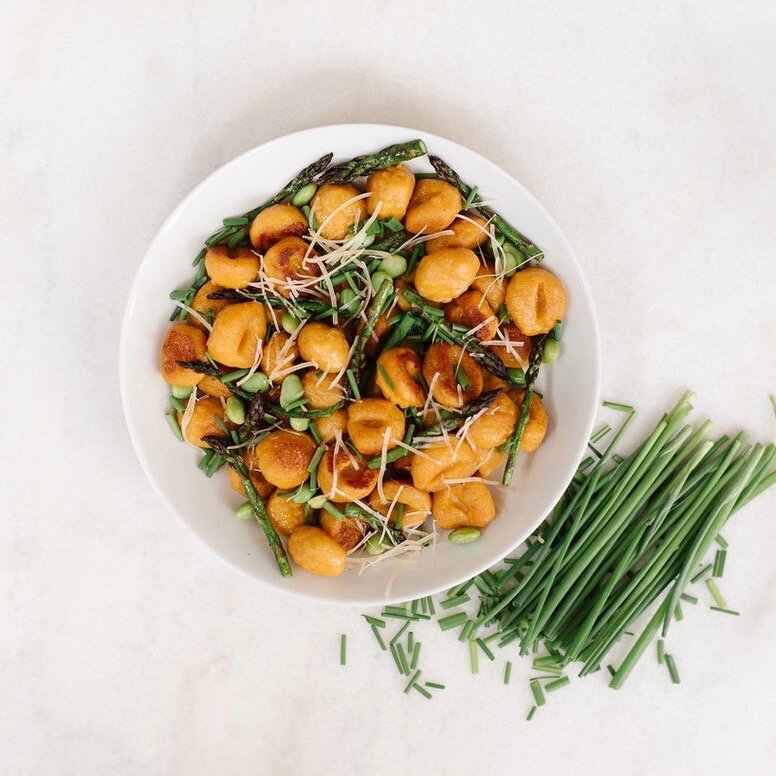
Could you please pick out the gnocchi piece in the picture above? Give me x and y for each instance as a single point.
(231, 267)
(397, 373)
(347, 533)
(496, 425)
(203, 421)
(278, 355)
(446, 274)
(490, 461)
(237, 331)
(332, 209)
(491, 286)
(329, 426)
(453, 367)
(183, 342)
(275, 223)
(465, 234)
(391, 189)
(212, 386)
(538, 421)
(368, 422)
(260, 484)
(379, 332)
(321, 390)
(355, 480)
(285, 515)
(203, 305)
(512, 347)
(468, 504)
(284, 263)
(471, 309)
(314, 551)
(535, 300)
(439, 463)
(417, 503)
(432, 207)
(283, 457)
(323, 345)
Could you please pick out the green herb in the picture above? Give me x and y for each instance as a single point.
(538, 693)
(343, 649)
(531, 713)
(412, 681)
(507, 671)
(725, 611)
(385, 376)
(452, 621)
(672, 670)
(474, 664)
(556, 684)
(719, 563)
(422, 690)
(661, 651)
(462, 379)
(719, 599)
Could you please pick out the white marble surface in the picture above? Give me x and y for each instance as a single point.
(125, 647)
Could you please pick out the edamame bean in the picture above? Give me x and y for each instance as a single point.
(245, 511)
(289, 323)
(393, 266)
(304, 195)
(235, 410)
(349, 301)
(290, 391)
(551, 351)
(299, 424)
(512, 259)
(317, 502)
(181, 391)
(302, 494)
(379, 278)
(464, 535)
(374, 545)
(258, 382)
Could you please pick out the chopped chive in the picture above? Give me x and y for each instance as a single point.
(400, 610)
(507, 671)
(720, 540)
(661, 651)
(466, 631)
(396, 659)
(719, 563)
(547, 662)
(719, 599)
(701, 573)
(600, 432)
(232, 376)
(172, 421)
(556, 684)
(672, 671)
(376, 621)
(216, 462)
(410, 642)
(422, 690)
(430, 602)
(724, 610)
(177, 404)
(691, 599)
(412, 681)
(385, 376)
(474, 663)
(315, 434)
(378, 637)
(415, 655)
(435, 685)
(399, 633)
(531, 713)
(613, 405)
(402, 658)
(610, 669)
(462, 379)
(237, 221)
(452, 621)
(397, 616)
(449, 603)
(538, 693)
(343, 649)
(315, 460)
(205, 460)
(353, 384)
(678, 613)
(485, 648)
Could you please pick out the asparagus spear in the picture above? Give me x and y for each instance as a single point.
(363, 165)
(472, 346)
(531, 373)
(378, 307)
(454, 418)
(236, 462)
(447, 173)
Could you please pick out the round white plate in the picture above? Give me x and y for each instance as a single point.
(571, 386)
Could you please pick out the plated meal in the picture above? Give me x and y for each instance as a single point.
(359, 354)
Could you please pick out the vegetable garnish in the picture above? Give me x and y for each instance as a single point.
(623, 544)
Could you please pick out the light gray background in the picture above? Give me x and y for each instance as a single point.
(125, 647)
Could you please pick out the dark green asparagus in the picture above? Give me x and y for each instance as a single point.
(520, 241)
(377, 308)
(363, 165)
(236, 462)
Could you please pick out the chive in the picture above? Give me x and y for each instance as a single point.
(177, 404)
(485, 648)
(343, 649)
(332, 510)
(402, 658)
(400, 610)
(719, 563)
(399, 633)
(610, 669)
(237, 221)
(702, 573)
(216, 462)
(376, 621)
(415, 606)
(415, 655)
(661, 651)
(410, 642)
(412, 681)
(538, 693)
(435, 685)
(672, 671)
(462, 379)
(720, 540)
(691, 599)
(205, 460)
(474, 664)
(531, 713)
(507, 672)
(613, 405)
(396, 659)
(314, 432)
(549, 662)
(353, 384)
(471, 197)
(399, 516)
(719, 599)
(600, 432)
(397, 616)
(724, 610)
(448, 603)
(172, 421)
(678, 613)
(466, 631)
(422, 690)
(385, 377)
(452, 621)
(556, 684)
(315, 460)
(378, 637)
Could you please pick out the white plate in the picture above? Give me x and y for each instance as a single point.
(571, 386)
